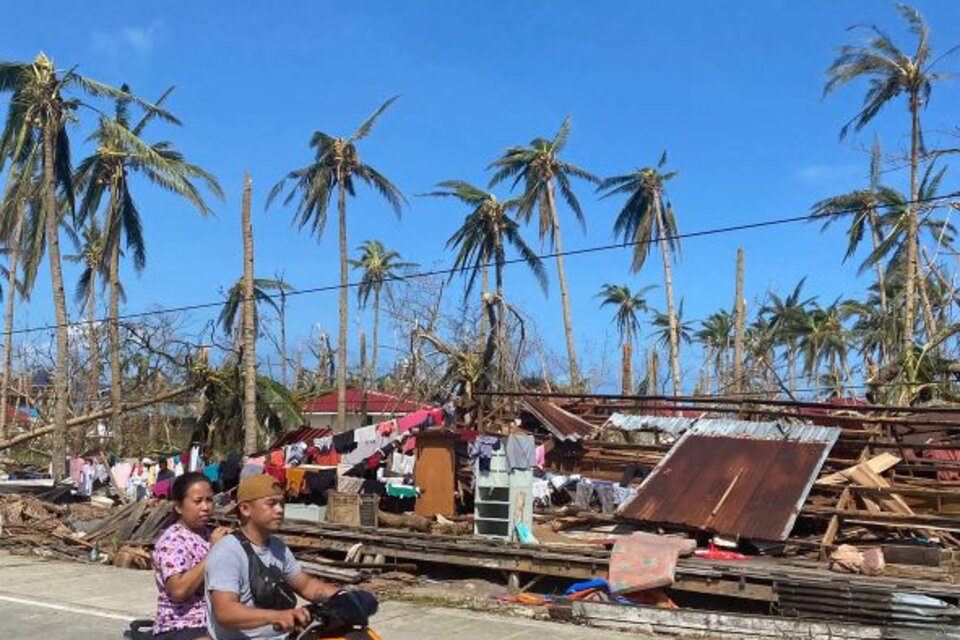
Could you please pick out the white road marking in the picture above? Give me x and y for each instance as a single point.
(67, 608)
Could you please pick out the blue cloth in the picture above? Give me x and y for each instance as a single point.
(212, 471)
(481, 450)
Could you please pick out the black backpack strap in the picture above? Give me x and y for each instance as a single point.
(268, 586)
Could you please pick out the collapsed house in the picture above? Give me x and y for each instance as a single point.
(760, 518)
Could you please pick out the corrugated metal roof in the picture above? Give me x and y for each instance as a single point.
(725, 428)
(561, 423)
(737, 478)
(378, 403)
(671, 425)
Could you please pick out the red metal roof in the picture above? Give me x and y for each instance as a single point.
(715, 479)
(377, 402)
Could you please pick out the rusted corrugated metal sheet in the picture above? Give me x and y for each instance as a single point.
(735, 478)
(561, 423)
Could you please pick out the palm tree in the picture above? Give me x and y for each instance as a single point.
(483, 239)
(786, 317)
(862, 207)
(336, 169)
(121, 152)
(647, 218)
(891, 72)
(20, 193)
(541, 170)
(825, 340)
(667, 329)
(628, 305)
(895, 249)
(36, 119)
(379, 267)
(220, 423)
(716, 334)
(232, 309)
(90, 256)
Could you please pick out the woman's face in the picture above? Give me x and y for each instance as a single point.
(197, 506)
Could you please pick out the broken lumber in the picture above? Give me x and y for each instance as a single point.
(877, 464)
(91, 417)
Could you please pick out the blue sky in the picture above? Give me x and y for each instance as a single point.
(732, 90)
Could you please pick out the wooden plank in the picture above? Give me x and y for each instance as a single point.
(877, 464)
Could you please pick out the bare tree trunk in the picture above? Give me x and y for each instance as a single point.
(741, 313)
(250, 431)
(564, 291)
(113, 335)
(342, 337)
(94, 391)
(928, 319)
(283, 334)
(8, 323)
(653, 366)
(52, 220)
(626, 384)
(376, 338)
(364, 373)
(792, 368)
(501, 320)
(671, 311)
(910, 302)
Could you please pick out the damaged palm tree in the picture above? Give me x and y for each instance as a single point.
(482, 239)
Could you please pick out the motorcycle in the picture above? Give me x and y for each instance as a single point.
(345, 616)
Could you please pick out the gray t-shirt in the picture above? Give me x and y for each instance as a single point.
(228, 569)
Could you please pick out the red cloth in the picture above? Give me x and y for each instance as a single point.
(276, 458)
(277, 473)
(409, 445)
(374, 461)
(644, 561)
(328, 458)
(948, 455)
(386, 428)
(161, 489)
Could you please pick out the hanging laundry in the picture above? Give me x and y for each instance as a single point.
(363, 451)
(121, 473)
(521, 452)
(161, 489)
(541, 492)
(402, 463)
(402, 491)
(195, 458)
(295, 453)
(319, 483)
(481, 450)
(365, 434)
(296, 481)
(250, 470)
(212, 472)
(230, 471)
(76, 470)
(323, 443)
(151, 472)
(409, 445)
(260, 460)
(344, 442)
(387, 428)
(540, 457)
(275, 458)
(277, 473)
(374, 461)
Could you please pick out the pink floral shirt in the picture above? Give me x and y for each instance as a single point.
(178, 550)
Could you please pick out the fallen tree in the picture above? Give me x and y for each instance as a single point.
(91, 417)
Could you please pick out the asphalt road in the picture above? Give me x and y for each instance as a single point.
(48, 600)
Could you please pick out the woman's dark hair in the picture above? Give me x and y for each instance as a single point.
(181, 486)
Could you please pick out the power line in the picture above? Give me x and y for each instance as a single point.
(451, 271)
